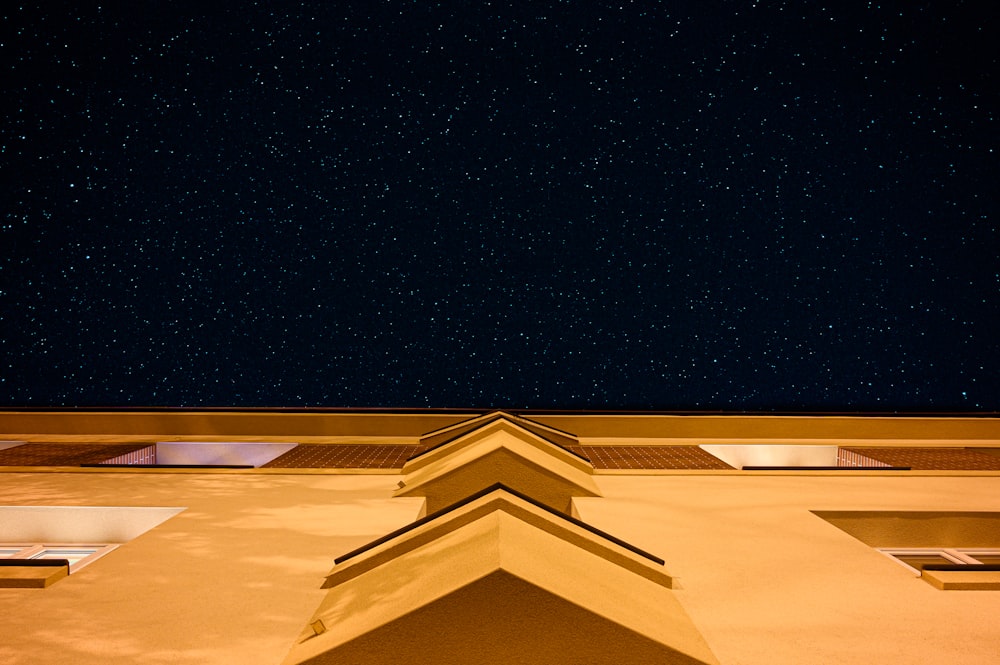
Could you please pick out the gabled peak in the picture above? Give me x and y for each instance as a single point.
(486, 428)
(446, 434)
(500, 451)
(498, 497)
(499, 579)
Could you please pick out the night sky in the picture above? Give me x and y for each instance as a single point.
(629, 205)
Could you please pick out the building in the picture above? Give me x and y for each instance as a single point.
(361, 536)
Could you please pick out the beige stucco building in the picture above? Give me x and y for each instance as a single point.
(340, 536)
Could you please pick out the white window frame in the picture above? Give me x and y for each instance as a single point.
(963, 556)
(36, 550)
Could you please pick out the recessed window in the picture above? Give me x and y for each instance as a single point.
(77, 555)
(231, 454)
(788, 457)
(39, 541)
(950, 550)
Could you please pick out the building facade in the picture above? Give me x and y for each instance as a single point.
(358, 536)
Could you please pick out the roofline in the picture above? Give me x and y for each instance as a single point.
(350, 425)
(388, 410)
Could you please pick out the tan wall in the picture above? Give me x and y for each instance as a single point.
(236, 577)
(232, 579)
(769, 583)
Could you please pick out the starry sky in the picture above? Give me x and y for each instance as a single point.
(686, 205)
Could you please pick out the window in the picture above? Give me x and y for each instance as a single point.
(964, 569)
(36, 540)
(916, 558)
(226, 454)
(77, 555)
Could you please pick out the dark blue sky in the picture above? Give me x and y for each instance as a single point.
(683, 205)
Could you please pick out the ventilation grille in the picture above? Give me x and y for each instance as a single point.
(145, 455)
(849, 458)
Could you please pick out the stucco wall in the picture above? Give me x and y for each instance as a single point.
(769, 583)
(236, 576)
(232, 579)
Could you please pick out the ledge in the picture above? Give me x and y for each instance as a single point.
(32, 573)
(962, 578)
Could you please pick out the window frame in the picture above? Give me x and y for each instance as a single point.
(962, 556)
(35, 551)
